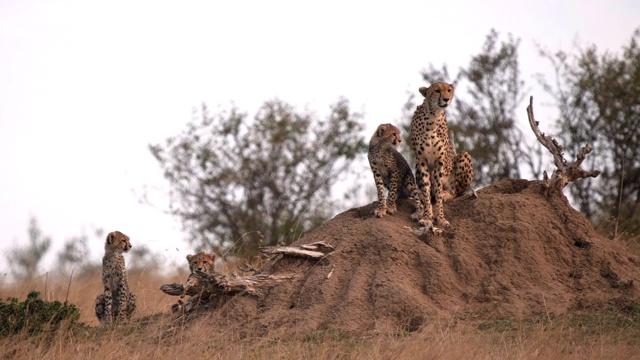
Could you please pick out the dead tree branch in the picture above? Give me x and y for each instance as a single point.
(316, 250)
(565, 172)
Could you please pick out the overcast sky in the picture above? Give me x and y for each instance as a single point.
(85, 86)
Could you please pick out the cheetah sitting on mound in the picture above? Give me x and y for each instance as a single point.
(441, 174)
(117, 303)
(204, 262)
(391, 171)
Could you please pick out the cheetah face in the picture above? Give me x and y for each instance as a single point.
(201, 261)
(439, 94)
(387, 132)
(118, 241)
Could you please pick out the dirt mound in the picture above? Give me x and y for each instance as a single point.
(510, 252)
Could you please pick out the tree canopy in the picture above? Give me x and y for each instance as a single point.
(24, 260)
(237, 182)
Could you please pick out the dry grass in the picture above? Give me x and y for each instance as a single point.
(599, 336)
(84, 287)
(434, 342)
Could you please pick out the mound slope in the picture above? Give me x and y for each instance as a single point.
(512, 252)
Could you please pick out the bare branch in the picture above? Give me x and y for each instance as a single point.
(247, 268)
(315, 250)
(565, 172)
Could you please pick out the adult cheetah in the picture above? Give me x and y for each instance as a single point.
(440, 173)
(117, 303)
(391, 171)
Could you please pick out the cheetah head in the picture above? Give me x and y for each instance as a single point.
(438, 95)
(386, 133)
(201, 261)
(118, 242)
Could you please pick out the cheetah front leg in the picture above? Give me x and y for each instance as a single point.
(394, 182)
(439, 197)
(381, 210)
(123, 302)
(424, 187)
(131, 305)
(108, 307)
(413, 189)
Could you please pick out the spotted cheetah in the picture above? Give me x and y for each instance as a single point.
(391, 171)
(440, 173)
(201, 261)
(117, 303)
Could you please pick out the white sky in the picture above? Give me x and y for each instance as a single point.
(85, 86)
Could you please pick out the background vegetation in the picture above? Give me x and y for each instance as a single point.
(238, 183)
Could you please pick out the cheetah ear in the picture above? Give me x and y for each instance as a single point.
(189, 257)
(453, 86)
(213, 255)
(111, 237)
(380, 131)
(423, 91)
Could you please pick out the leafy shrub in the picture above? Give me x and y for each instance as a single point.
(35, 315)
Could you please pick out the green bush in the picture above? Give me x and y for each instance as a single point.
(35, 315)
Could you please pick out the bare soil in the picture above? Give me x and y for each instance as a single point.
(513, 252)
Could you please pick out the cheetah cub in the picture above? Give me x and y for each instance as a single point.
(201, 261)
(391, 171)
(441, 174)
(117, 303)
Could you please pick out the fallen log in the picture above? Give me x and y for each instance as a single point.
(203, 287)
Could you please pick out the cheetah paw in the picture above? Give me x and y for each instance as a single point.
(443, 222)
(425, 222)
(391, 209)
(380, 212)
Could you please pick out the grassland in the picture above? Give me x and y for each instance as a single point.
(604, 333)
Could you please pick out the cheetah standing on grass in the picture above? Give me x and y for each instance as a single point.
(440, 173)
(117, 303)
(391, 171)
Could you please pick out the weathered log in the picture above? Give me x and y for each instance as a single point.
(318, 245)
(204, 287)
(253, 284)
(565, 172)
(315, 250)
(172, 289)
(210, 286)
